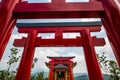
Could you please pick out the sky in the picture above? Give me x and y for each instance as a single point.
(42, 52)
(34, 1)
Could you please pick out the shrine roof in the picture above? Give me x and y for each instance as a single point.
(60, 66)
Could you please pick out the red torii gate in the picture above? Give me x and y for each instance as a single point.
(10, 12)
(109, 13)
(33, 41)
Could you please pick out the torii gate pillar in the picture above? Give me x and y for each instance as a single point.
(111, 21)
(24, 69)
(90, 57)
(51, 69)
(7, 22)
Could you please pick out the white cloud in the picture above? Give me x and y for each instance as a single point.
(107, 49)
(71, 35)
(41, 54)
(46, 35)
(79, 58)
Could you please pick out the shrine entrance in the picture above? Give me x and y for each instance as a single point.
(61, 74)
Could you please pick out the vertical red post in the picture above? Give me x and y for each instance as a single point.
(70, 69)
(24, 69)
(111, 21)
(6, 8)
(113, 40)
(90, 57)
(5, 40)
(58, 34)
(51, 69)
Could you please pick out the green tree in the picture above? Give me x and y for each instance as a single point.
(38, 76)
(9, 74)
(32, 77)
(114, 70)
(13, 58)
(109, 67)
(34, 62)
(103, 62)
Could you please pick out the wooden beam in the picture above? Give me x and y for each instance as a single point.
(26, 10)
(63, 29)
(59, 42)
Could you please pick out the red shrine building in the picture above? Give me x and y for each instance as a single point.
(61, 68)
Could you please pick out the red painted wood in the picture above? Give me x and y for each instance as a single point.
(68, 62)
(58, 34)
(51, 69)
(70, 69)
(93, 68)
(58, 10)
(111, 21)
(64, 29)
(61, 10)
(7, 7)
(6, 22)
(58, 1)
(62, 62)
(114, 41)
(5, 37)
(24, 69)
(59, 42)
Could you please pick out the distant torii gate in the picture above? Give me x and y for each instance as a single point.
(107, 10)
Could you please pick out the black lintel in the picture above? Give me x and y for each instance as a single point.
(60, 24)
(60, 57)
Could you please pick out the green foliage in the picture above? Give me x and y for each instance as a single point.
(109, 67)
(82, 77)
(103, 62)
(85, 77)
(34, 61)
(114, 70)
(13, 58)
(38, 76)
(9, 74)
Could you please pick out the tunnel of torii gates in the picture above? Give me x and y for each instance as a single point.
(107, 10)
